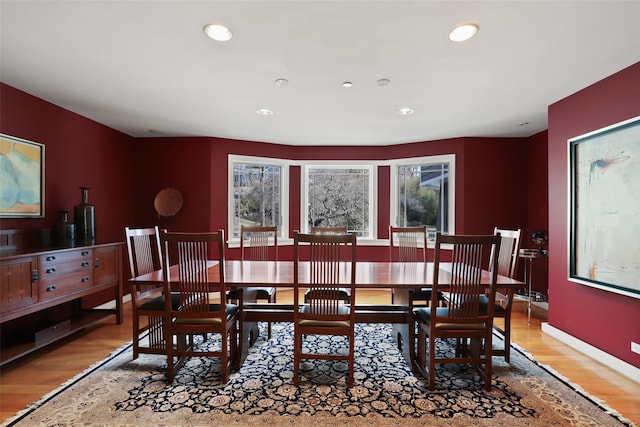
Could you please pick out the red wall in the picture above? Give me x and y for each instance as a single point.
(78, 152)
(490, 187)
(536, 183)
(606, 320)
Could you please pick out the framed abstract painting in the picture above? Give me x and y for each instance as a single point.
(22, 178)
(604, 208)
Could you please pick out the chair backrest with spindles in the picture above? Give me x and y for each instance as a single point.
(261, 243)
(408, 244)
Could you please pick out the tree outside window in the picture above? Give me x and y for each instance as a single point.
(339, 196)
(423, 196)
(256, 196)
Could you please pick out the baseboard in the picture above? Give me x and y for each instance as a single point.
(595, 353)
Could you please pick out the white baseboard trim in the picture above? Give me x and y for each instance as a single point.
(595, 353)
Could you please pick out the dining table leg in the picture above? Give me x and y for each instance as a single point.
(249, 331)
(400, 331)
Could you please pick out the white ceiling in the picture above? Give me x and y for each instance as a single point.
(147, 69)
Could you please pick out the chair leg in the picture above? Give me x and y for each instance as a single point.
(487, 359)
(297, 348)
(239, 342)
(507, 338)
(224, 362)
(169, 342)
(421, 352)
(269, 323)
(432, 363)
(351, 359)
(136, 335)
(412, 342)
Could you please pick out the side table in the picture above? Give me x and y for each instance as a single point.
(530, 255)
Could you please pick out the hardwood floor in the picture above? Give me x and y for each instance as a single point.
(26, 380)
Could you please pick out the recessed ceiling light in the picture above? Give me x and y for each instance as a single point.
(347, 84)
(383, 82)
(264, 112)
(282, 82)
(217, 32)
(463, 32)
(405, 111)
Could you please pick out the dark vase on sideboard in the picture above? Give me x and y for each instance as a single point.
(84, 216)
(63, 233)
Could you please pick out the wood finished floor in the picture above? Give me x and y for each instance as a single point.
(26, 380)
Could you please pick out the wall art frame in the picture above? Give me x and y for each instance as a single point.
(22, 172)
(604, 208)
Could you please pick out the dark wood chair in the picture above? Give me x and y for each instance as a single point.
(203, 306)
(462, 318)
(259, 243)
(324, 313)
(507, 266)
(147, 300)
(345, 295)
(409, 244)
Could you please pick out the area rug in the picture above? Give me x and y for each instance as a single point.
(120, 391)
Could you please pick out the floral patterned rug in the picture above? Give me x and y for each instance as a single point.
(124, 392)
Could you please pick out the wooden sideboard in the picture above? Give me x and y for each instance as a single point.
(43, 294)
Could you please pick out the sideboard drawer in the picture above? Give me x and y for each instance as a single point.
(63, 284)
(52, 269)
(65, 256)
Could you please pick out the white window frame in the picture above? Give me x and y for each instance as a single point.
(421, 161)
(284, 193)
(372, 166)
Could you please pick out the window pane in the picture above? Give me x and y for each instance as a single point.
(256, 195)
(423, 196)
(339, 197)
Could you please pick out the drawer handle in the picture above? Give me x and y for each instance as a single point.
(34, 275)
(51, 270)
(85, 253)
(51, 258)
(85, 279)
(51, 288)
(85, 263)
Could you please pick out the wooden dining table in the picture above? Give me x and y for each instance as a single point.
(400, 277)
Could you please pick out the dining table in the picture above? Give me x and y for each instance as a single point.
(400, 277)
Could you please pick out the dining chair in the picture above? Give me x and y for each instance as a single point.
(462, 318)
(147, 300)
(331, 257)
(507, 266)
(203, 306)
(409, 244)
(258, 243)
(344, 293)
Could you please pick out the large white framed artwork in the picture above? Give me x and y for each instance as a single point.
(604, 208)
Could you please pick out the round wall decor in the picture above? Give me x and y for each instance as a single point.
(168, 202)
